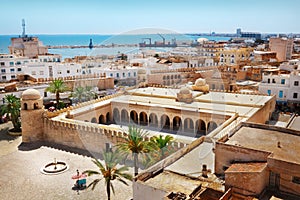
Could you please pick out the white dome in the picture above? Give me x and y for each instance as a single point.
(200, 82)
(31, 94)
(184, 90)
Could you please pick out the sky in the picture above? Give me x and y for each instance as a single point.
(121, 16)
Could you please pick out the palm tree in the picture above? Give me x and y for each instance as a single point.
(135, 144)
(12, 106)
(109, 171)
(78, 93)
(57, 86)
(162, 143)
(83, 93)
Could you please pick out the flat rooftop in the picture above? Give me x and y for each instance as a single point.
(295, 124)
(267, 140)
(246, 167)
(213, 102)
(172, 182)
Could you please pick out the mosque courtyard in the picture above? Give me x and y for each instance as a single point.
(21, 177)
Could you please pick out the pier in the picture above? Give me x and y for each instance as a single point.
(87, 46)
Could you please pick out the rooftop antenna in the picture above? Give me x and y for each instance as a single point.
(23, 25)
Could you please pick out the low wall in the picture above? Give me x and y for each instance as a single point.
(85, 135)
(225, 154)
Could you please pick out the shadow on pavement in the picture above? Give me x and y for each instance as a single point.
(4, 132)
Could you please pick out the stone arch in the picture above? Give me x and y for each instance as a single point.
(124, 116)
(211, 126)
(94, 120)
(108, 118)
(176, 123)
(188, 124)
(153, 121)
(165, 122)
(25, 106)
(200, 127)
(134, 116)
(102, 119)
(35, 106)
(143, 119)
(116, 115)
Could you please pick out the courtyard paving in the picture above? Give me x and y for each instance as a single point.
(21, 177)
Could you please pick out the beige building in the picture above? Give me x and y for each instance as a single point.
(26, 46)
(283, 48)
(266, 159)
(235, 56)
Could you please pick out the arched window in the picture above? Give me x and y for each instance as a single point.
(116, 115)
(200, 127)
(165, 122)
(176, 123)
(134, 116)
(124, 116)
(211, 126)
(143, 119)
(25, 106)
(35, 106)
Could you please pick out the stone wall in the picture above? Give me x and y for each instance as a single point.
(247, 183)
(287, 172)
(226, 154)
(86, 136)
(264, 113)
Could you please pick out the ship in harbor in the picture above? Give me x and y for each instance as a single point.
(157, 43)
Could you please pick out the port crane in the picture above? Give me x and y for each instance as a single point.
(147, 39)
(164, 40)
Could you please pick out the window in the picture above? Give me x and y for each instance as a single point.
(111, 75)
(11, 63)
(296, 83)
(41, 72)
(2, 63)
(134, 74)
(280, 94)
(268, 80)
(269, 92)
(296, 180)
(118, 75)
(295, 95)
(18, 63)
(282, 81)
(13, 76)
(58, 72)
(273, 80)
(128, 74)
(3, 77)
(12, 70)
(123, 74)
(68, 71)
(19, 69)
(2, 70)
(33, 73)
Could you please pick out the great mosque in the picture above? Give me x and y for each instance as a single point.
(191, 112)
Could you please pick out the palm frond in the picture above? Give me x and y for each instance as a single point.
(90, 172)
(94, 183)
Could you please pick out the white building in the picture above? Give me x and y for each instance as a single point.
(286, 87)
(52, 70)
(124, 74)
(13, 65)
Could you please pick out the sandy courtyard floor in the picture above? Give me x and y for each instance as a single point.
(21, 177)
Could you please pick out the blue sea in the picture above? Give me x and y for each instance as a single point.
(100, 39)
